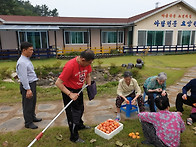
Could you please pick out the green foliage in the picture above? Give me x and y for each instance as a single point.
(105, 76)
(9, 92)
(5, 73)
(99, 62)
(23, 137)
(114, 70)
(106, 87)
(20, 7)
(144, 53)
(114, 51)
(43, 71)
(73, 54)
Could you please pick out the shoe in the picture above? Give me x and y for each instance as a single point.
(79, 140)
(146, 142)
(87, 127)
(117, 119)
(84, 127)
(189, 121)
(37, 119)
(31, 126)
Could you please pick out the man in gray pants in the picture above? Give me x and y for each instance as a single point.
(28, 78)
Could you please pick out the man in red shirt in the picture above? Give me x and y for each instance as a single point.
(75, 72)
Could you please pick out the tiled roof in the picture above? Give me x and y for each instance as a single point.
(14, 19)
(136, 17)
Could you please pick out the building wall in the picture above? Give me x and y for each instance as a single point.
(76, 46)
(8, 39)
(51, 35)
(171, 14)
(95, 38)
(112, 45)
(59, 39)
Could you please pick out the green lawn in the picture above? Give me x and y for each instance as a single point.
(174, 65)
(23, 137)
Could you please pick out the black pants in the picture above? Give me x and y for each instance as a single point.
(151, 99)
(120, 100)
(150, 134)
(180, 101)
(74, 113)
(28, 105)
(193, 116)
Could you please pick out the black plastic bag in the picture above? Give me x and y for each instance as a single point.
(92, 90)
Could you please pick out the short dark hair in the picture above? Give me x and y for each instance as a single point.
(87, 55)
(162, 102)
(127, 74)
(25, 45)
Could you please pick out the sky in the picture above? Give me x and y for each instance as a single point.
(103, 8)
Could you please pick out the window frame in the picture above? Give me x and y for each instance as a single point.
(155, 32)
(70, 39)
(180, 40)
(40, 37)
(118, 35)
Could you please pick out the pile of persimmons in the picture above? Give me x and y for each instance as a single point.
(108, 126)
(134, 135)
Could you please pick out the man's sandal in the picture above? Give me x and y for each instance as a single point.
(189, 121)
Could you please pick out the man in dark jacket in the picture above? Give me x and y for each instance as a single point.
(183, 98)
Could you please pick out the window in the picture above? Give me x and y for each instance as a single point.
(74, 37)
(141, 38)
(34, 38)
(184, 37)
(113, 37)
(155, 38)
(179, 37)
(168, 37)
(193, 38)
(38, 39)
(120, 37)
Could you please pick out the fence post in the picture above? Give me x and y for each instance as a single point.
(48, 52)
(164, 49)
(137, 50)
(182, 47)
(176, 48)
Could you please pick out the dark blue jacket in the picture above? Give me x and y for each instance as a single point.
(190, 86)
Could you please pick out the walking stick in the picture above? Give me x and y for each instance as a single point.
(138, 110)
(38, 137)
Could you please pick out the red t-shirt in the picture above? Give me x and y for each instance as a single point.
(74, 75)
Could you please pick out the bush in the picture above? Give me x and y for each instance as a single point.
(43, 71)
(114, 51)
(114, 70)
(99, 62)
(5, 73)
(105, 87)
(105, 76)
(73, 54)
(56, 65)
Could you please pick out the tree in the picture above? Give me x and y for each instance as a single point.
(21, 7)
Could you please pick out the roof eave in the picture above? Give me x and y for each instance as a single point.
(151, 14)
(62, 23)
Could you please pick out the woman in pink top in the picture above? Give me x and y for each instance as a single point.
(162, 128)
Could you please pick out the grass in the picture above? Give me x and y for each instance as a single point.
(174, 65)
(23, 137)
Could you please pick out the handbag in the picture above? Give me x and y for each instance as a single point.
(92, 90)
